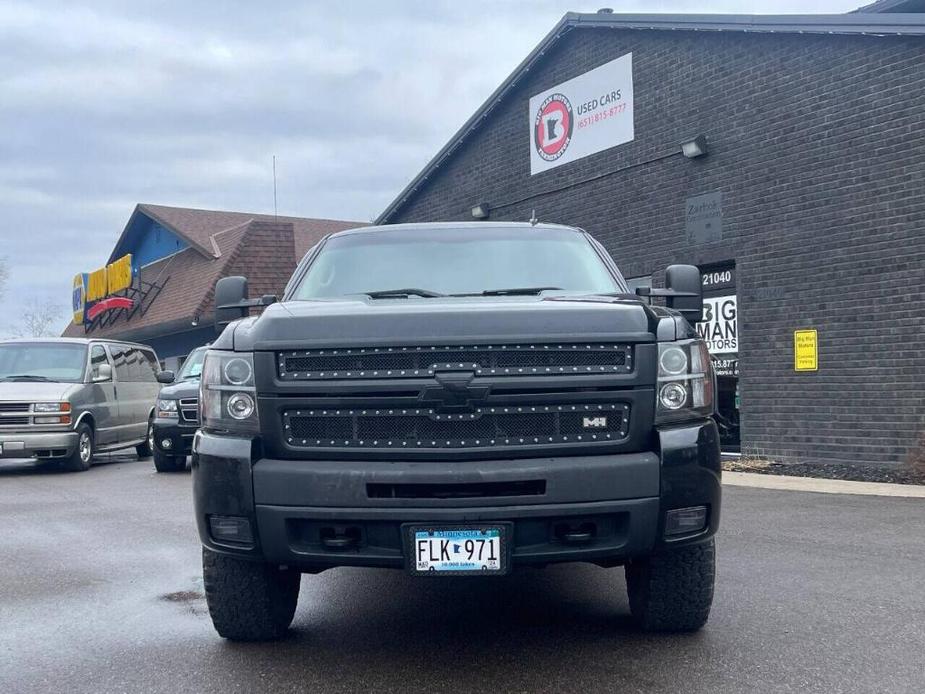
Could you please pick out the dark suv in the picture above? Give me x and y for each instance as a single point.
(457, 399)
(177, 414)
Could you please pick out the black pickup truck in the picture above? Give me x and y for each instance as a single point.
(457, 399)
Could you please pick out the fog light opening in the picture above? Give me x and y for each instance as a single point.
(231, 529)
(166, 443)
(685, 521)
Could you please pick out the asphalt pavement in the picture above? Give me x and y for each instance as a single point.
(100, 591)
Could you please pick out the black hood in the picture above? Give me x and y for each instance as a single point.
(466, 320)
(181, 389)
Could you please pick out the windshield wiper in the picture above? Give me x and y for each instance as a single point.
(27, 377)
(513, 291)
(390, 293)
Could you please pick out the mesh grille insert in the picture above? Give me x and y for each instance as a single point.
(408, 362)
(485, 427)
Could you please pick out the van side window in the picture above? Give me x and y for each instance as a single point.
(97, 357)
(147, 366)
(132, 359)
(119, 362)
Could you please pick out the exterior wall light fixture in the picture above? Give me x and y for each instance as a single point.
(694, 147)
(481, 211)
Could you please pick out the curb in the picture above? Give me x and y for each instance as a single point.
(824, 486)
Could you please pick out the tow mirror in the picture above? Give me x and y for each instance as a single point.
(686, 285)
(231, 302)
(230, 294)
(683, 291)
(166, 377)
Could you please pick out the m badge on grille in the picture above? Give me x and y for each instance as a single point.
(599, 422)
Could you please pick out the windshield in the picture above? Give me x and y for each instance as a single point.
(457, 261)
(192, 367)
(42, 361)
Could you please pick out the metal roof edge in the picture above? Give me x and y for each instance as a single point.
(853, 23)
(877, 24)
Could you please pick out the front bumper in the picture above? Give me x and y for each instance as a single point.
(179, 436)
(615, 504)
(34, 444)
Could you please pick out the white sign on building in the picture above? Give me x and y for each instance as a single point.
(719, 328)
(587, 114)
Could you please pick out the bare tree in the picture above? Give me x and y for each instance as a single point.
(39, 319)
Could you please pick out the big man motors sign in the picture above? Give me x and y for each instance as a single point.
(587, 114)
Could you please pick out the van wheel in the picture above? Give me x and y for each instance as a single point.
(80, 459)
(249, 601)
(144, 450)
(672, 590)
(168, 463)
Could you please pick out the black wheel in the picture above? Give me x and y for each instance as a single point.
(672, 590)
(144, 450)
(82, 456)
(168, 463)
(249, 601)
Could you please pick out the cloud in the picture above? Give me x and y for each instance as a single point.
(109, 104)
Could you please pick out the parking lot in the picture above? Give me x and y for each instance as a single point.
(101, 591)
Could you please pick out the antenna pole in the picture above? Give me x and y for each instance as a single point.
(275, 212)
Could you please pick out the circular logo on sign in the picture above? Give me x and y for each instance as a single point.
(552, 128)
(79, 297)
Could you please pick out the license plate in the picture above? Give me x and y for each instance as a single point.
(457, 550)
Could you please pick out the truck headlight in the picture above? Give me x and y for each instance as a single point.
(167, 409)
(51, 407)
(685, 381)
(227, 396)
(60, 412)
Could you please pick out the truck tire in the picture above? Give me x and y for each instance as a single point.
(672, 590)
(168, 463)
(249, 601)
(144, 450)
(80, 459)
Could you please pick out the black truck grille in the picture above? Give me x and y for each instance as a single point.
(485, 427)
(408, 362)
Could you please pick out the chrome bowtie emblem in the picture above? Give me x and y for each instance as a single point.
(594, 422)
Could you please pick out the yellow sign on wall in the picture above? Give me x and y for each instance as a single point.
(119, 274)
(97, 286)
(805, 350)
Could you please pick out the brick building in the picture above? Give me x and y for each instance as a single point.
(176, 255)
(807, 210)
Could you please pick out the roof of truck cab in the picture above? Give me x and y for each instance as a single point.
(437, 226)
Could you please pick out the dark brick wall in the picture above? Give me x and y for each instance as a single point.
(818, 146)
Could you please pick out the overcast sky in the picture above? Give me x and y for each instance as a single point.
(107, 104)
